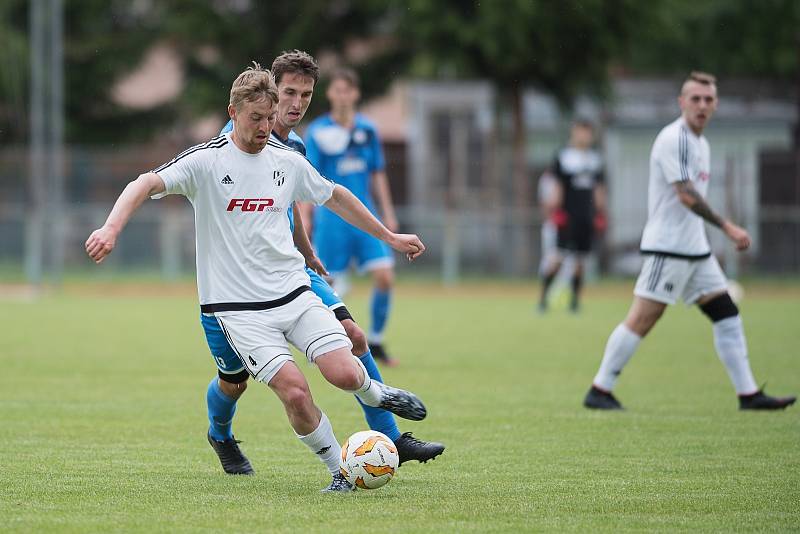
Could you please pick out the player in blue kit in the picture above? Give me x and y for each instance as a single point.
(344, 146)
(295, 74)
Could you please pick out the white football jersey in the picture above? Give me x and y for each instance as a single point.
(246, 258)
(677, 155)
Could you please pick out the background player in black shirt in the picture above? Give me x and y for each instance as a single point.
(580, 202)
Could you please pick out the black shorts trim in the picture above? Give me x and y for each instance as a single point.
(320, 338)
(342, 313)
(690, 257)
(254, 306)
(655, 273)
(576, 236)
(234, 378)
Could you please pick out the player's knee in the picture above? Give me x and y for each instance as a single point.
(642, 321)
(233, 386)
(719, 308)
(384, 278)
(297, 399)
(553, 266)
(357, 337)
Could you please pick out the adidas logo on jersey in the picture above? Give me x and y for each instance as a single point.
(227, 180)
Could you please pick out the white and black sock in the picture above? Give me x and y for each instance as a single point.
(323, 443)
(621, 345)
(731, 348)
(370, 392)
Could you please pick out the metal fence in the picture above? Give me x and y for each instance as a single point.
(462, 240)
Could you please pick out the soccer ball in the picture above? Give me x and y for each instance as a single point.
(369, 459)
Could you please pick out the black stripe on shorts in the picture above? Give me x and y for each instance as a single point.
(253, 306)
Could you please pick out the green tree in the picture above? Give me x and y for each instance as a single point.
(741, 38)
(106, 39)
(15, 69)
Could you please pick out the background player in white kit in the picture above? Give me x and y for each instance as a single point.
(250, 276)
(678, 262)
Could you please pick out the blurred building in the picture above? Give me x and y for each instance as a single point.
(449, 161)
(753, 176)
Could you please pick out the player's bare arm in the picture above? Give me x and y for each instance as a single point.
(556, 201)
(384, 195)
(692, 199)
(555, 204)
(600, 198)
(303, 244)
(306, 210)
(349, 208)
(102, 241)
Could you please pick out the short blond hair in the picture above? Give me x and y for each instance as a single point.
(701, 77)
(255, 84)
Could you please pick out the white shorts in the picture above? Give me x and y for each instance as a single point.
(666, 278)
(259, 338)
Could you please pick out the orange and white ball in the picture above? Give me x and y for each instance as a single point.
(369, 459)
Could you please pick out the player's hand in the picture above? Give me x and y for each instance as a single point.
(559, 218)
(101, 243)
(315, 264)
(600, 222)
(738, 235)
(409, 244)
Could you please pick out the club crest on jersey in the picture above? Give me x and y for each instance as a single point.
(279, 177)
(252, 204)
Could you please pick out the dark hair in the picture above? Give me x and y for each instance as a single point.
(295, 62)
(346, 74)
(701, 77)
(583, 123)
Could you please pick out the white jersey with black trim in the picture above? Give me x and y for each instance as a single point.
(245, 253)
(677, 155)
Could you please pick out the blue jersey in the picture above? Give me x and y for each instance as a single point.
(348, 157)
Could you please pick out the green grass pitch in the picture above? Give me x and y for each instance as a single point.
(102, 396)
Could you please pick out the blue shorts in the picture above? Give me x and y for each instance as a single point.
(337, 245)
(324, 291)
(225, 357)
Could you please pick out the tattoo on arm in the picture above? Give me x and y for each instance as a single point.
(695, 202)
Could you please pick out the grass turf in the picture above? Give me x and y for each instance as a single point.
(103, 421)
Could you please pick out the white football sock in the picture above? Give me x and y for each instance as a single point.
(621, 345)
(370, 391)
(731, 348)
(323, 443)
